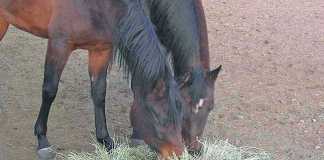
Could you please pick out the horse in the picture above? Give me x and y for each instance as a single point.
(181, 27)
(108, 30)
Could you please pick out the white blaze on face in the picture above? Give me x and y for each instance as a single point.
(199, 105)
(201, 102)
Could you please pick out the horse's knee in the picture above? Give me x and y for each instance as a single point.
(98, 99)
(3, 28)
(98, 90)
(98, 96)
(49, 91)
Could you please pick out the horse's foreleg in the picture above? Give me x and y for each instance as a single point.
(98, 65)
(58, 52)
(136, 138)
(3, 27)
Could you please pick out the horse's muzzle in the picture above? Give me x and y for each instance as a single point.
(168, 150)
(194, 147)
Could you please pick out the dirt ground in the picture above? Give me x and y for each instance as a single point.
(270, 94)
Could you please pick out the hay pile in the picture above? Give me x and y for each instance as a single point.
(213, 150)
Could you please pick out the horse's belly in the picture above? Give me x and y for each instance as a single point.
(29, 15)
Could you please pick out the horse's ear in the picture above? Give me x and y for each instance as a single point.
(212, 75)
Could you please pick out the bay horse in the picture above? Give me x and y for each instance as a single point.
(107, 29)
(182, 29)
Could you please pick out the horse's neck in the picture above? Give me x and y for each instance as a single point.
(182, 29)
(203, 34)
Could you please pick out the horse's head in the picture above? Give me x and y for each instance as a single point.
(197, 89)
(157, 116)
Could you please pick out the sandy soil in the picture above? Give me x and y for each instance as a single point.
(270, 95)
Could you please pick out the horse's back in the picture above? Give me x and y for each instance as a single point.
(83, 21)
(89, 22)
(29, 15)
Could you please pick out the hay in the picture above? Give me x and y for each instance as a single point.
(213, 150)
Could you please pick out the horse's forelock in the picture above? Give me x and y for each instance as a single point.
(175, 103)
(198, 85)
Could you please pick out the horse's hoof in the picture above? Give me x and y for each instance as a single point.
(108, 143)
(46, 154)
(136, 142)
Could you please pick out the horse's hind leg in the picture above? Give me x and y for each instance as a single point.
(58, 52)
(98, 66)
(3, 27)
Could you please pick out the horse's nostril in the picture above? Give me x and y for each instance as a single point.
(196, 153)
(195, 148)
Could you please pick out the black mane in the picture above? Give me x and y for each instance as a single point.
(141, 54)
(138, 48)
